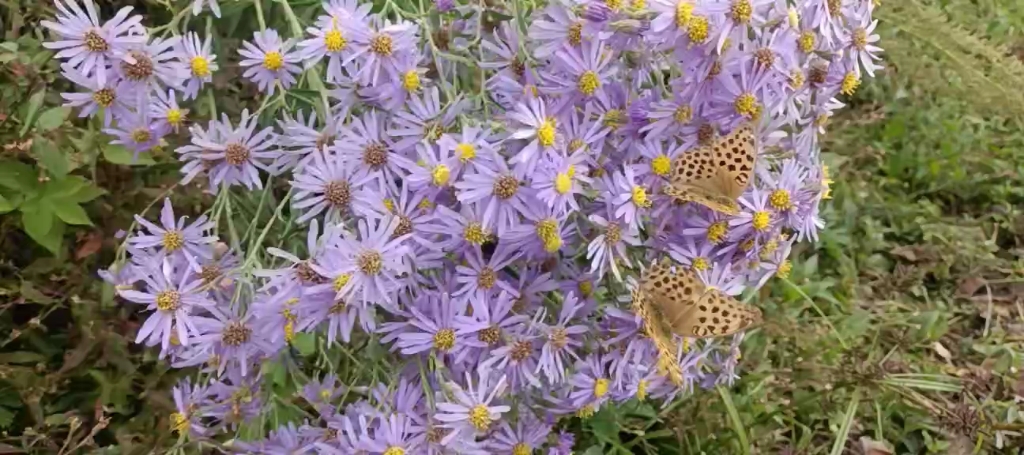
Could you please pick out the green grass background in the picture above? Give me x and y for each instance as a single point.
(899, 332)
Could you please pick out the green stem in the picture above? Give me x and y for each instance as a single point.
(259, 14)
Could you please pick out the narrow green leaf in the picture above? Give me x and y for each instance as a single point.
(52, 118)
(70, 212)
(33, 108)
(50, 156)
(21, 357)
(844, 430)
(734, 419)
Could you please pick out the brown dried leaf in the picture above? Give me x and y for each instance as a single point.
(89, 245)
(970, 285)
(872, 447)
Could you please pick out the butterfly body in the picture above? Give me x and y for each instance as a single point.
(715, 175)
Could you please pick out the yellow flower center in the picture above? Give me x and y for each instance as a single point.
(638, 5)
(746, 104)
(612, 118)
(699, 29)
(576, 33)
(546, 132)
(575, 144)
(761, 220)
(174, 116)
(571, 171)
(547, 231)
(411, 81)
(200, 66)
(826, 183)
(522, 448)
(661, 165)
(793, 15)
(614, 5)
(382, 45)
(741, 11)
(641, 390)
(486, 278)
(173, 240)
(168, 300)
(444, 340)
(850, 84)
(333, 41)
(370, 262)
(588, 83)
(480, 417)
(563, 183)
(779, 199)
(860, 38)
(784, 269)
(394, 450)
(475, 233)
(179, 423)
(717, 231)
(341, 281)
(806, 41)
(699, 264)
(104, 97)
(684, 13)
(586, 412)
(389, 204)
(273, 60)
(683, 114)
(601, 387)
(95, 42)
(586, 288)
(440, 175)
(141, 135)
(797, 79)
(639, 197)
(466, 152)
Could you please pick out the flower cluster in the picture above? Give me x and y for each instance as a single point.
(479, 198)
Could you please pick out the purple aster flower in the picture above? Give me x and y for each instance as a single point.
(444, 6)
(608, 249)
(338, 314)
(518, 358)
(672, 117)
(301, 138)
(627, 197)
(471, 410)
(327, 184)
(112, 98)
(556, 27)
(393, 434)
(496, 314)
(330, 38)
(560, 180)
(480, 278)
(165, 112)
(529, 434)
(697, 253)
(378, 47)
(538, 126)
(197, 7)
(438, 327)
(503, 54)
(587, 69)
(756, 218)
(366, 143)
(676, 19)
(201, 62)
(561, 341)
(155, 64)
(860, 45)
(425, 119)
(433, 171)
(499, 191)
(372, 262)
(464, 230)
(235, 399)
(88, 45)
(409, 79)
(542, 234)
(742, 15)
(136, 132)
(470, 147)
(564, 444)
(187, 402)
(176, 237)
(238, 152)
(590, 383)
(270, 61)
(225, 340)
(174, 295)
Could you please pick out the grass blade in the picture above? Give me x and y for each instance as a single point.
(734, 419)
(844, 429)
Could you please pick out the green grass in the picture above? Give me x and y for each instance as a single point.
(903, 325)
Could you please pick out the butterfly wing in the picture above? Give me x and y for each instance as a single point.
(715, 176)
(690, 309)
(733, 157)
(716, 314)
